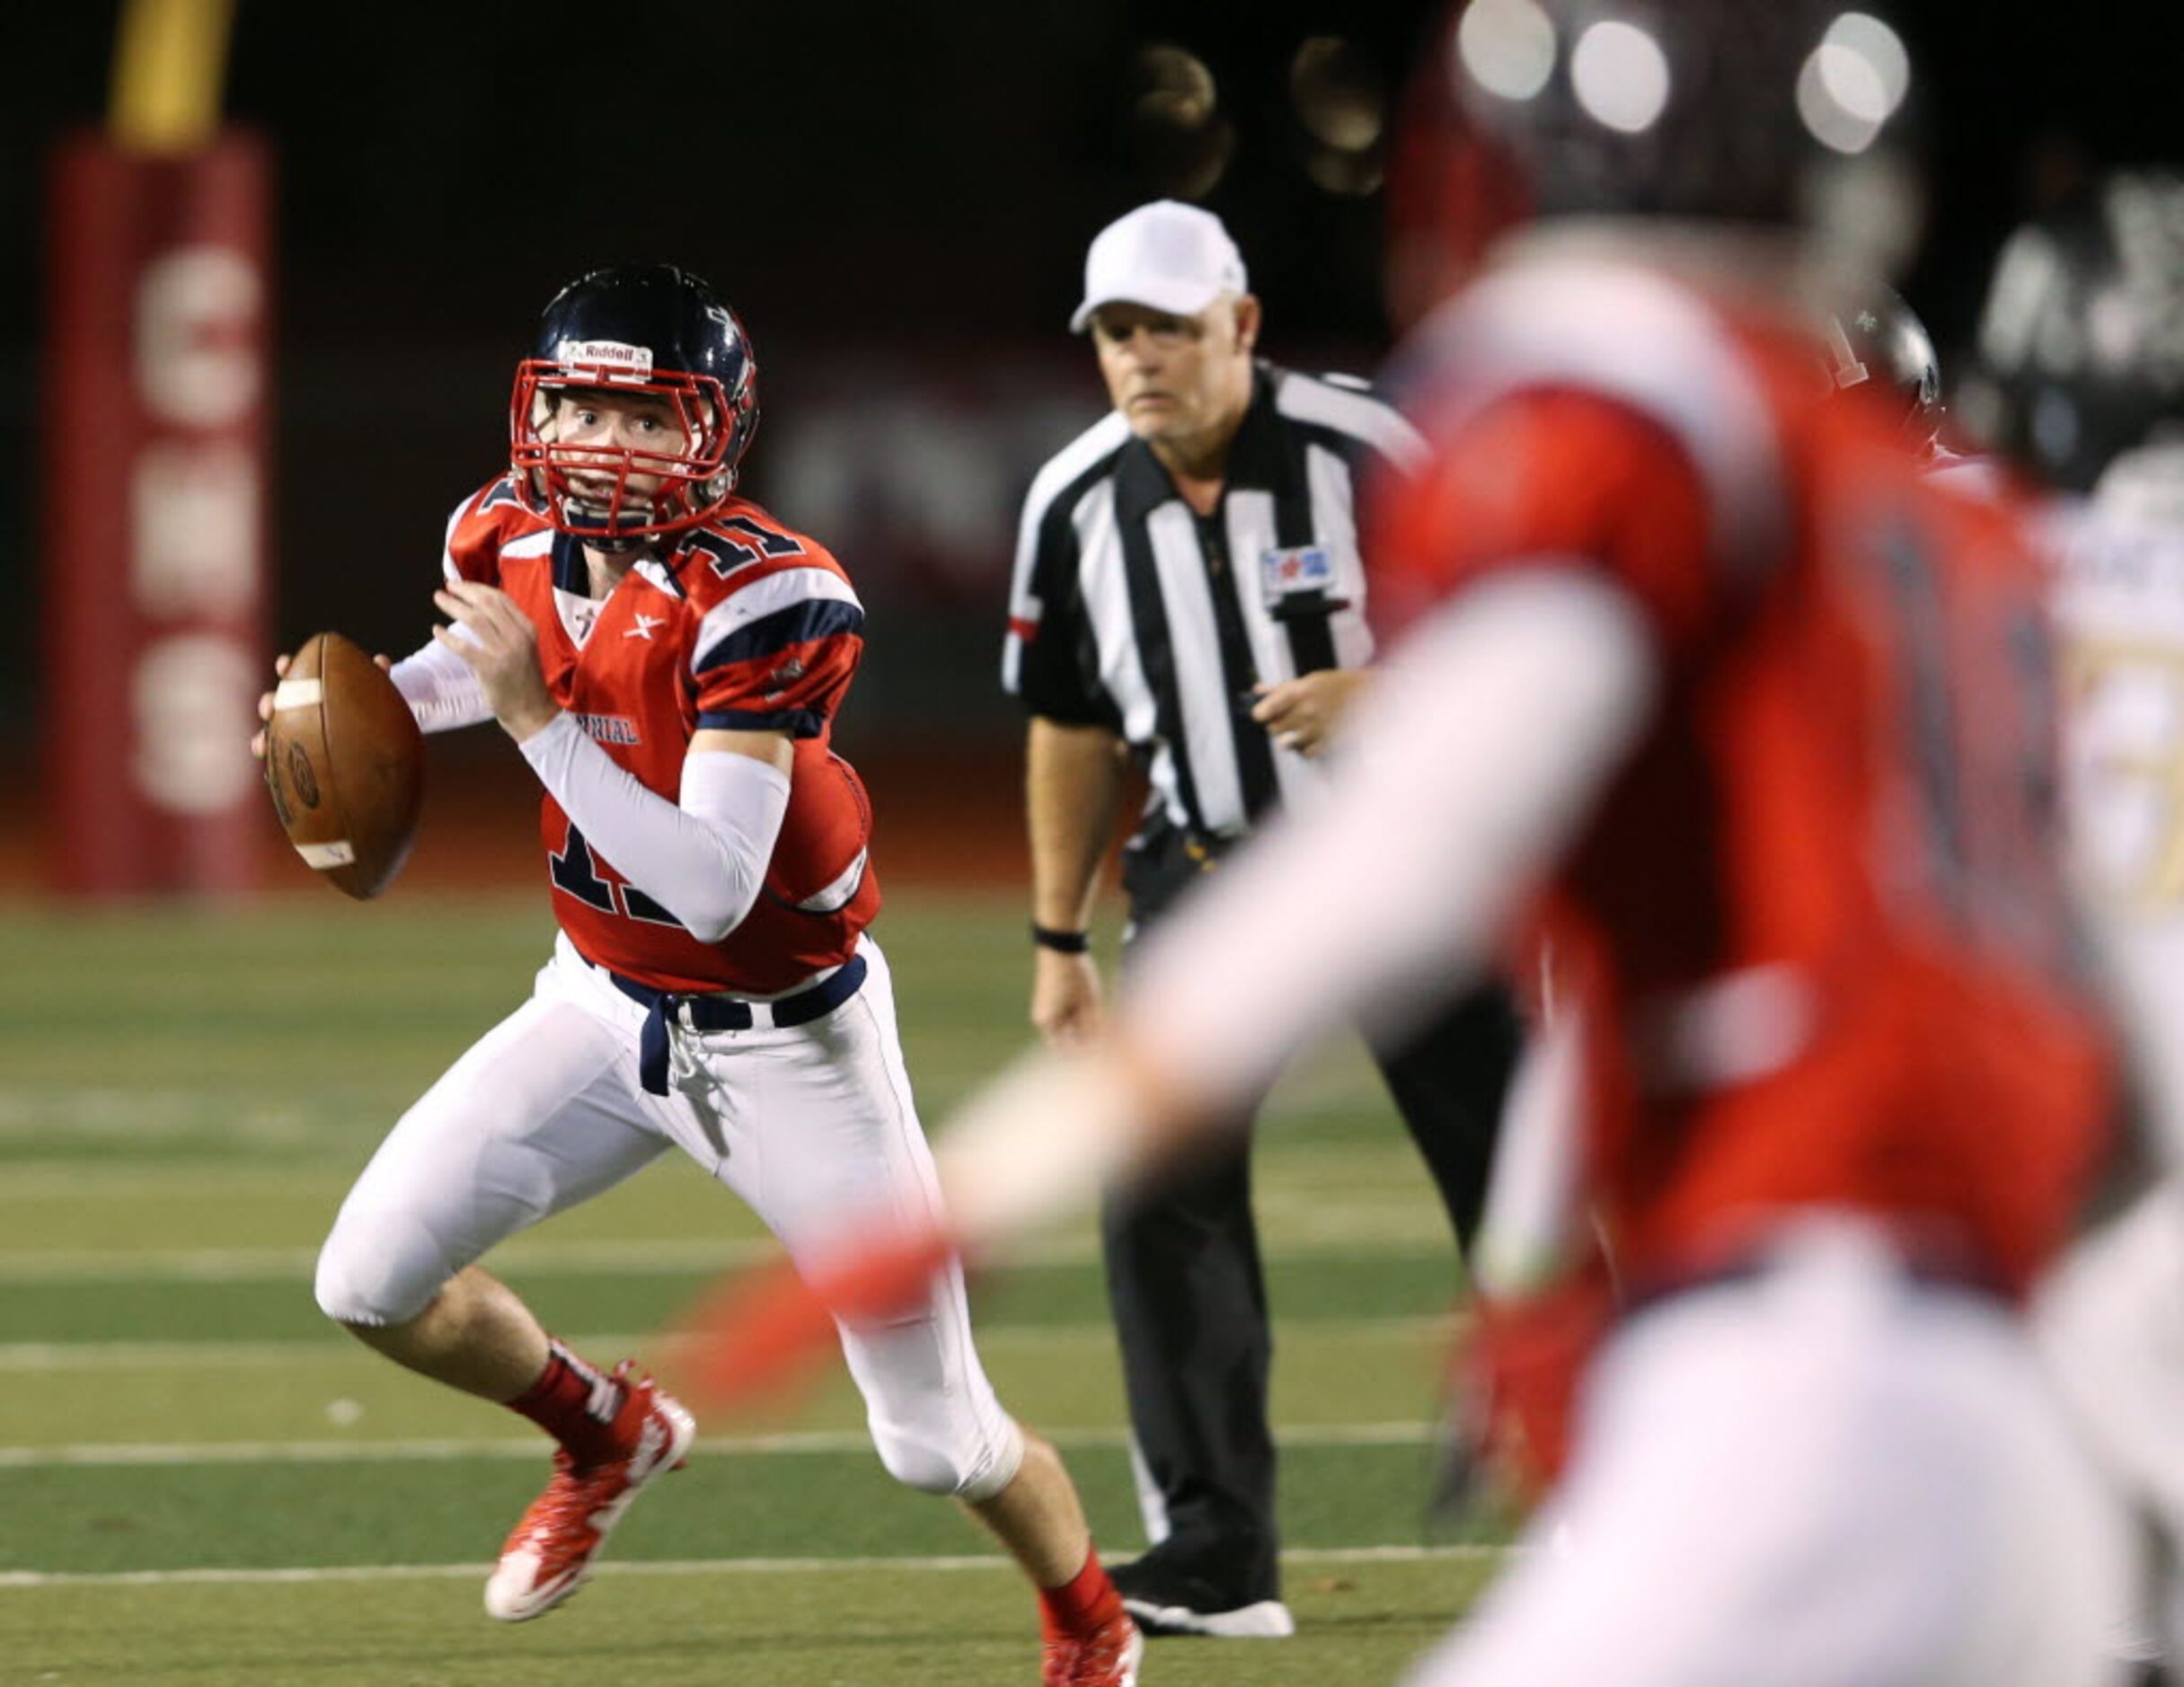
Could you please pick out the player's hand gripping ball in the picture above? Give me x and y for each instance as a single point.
(346, 765)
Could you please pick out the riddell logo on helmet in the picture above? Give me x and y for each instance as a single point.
(611, 354)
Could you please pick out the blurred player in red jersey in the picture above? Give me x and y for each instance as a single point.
(670, 658)
(1705, 680)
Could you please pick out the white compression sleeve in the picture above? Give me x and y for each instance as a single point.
(705, 861)
(440, 688)
(1473, 757)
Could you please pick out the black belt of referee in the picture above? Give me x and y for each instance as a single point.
(695, 1012)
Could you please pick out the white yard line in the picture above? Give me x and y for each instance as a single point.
(190, 1452)
(1302, 1556)
(276, 1265)
(27, 1357)
(1354, 1229)
(161, 1355)
(295, 1265)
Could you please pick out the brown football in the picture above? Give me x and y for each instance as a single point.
(346, 765)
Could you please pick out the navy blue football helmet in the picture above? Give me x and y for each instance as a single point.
(638, 329)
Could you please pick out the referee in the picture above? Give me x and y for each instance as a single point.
(1189, 592)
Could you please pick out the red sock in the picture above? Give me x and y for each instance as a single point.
(1081, 1604)
(576, 1405)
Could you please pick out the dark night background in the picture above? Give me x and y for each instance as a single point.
(897, 199)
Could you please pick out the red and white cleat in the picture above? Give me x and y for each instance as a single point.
(550, 1554)
(1106, 1657)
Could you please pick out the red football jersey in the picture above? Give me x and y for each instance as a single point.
(1816, 920)
(747, 627)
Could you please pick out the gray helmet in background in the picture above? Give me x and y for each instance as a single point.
(2080, 348)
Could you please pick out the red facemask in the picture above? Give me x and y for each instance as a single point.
(584, 490)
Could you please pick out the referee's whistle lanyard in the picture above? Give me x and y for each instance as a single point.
(1307, 617)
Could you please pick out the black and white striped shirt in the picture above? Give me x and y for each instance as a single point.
(1130, 611)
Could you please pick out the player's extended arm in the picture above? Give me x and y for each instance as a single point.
(1472, 760)
(1073, 780)
(1460, 777)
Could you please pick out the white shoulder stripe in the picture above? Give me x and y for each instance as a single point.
(1108, 434)
(1357, 414)
(1092, 519)
(1643, 341)
(766, 595)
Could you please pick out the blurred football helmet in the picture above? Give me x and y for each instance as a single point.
(638, 329)
(1879, 344)
(1699, 110)
(2080, 350)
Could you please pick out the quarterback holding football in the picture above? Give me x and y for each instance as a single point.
(670, 657)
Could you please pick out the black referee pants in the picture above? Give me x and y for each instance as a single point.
(1188, 1292)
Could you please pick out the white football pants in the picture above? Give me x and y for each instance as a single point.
(812, 1125)
(1826, 1476)
(2111, 1321)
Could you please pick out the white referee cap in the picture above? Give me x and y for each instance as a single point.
(1170, 256)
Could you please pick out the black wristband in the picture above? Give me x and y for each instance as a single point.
(1061, 942)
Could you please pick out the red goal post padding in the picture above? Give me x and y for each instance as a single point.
(158, 393)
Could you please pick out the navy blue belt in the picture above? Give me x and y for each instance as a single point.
(699, 1012)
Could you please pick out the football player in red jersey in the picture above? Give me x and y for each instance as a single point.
(1706, 680)
(670, 657)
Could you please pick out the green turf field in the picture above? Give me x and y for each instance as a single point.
(201, 1482)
